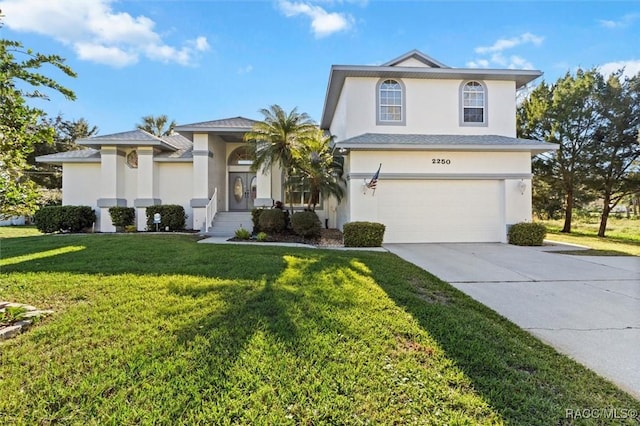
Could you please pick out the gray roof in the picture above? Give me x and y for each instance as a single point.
(132, 138)
(385, 141)
(183, 155)
(233, 124)
(339, 74)
(178, 141)
(418, 55)
(88, 155)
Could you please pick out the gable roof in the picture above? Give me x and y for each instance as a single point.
(394, 141)
(88, 155)
(135, 138)
(339, 74)
(234, 124)
(417, 55)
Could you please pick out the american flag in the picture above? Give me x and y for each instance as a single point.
(374, 180)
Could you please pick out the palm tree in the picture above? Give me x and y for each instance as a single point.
(157, 125)
(321, 172)
(278, 138)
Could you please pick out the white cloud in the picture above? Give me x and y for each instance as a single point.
(508, 43)
(105, 55)
(323, 23)
(97, 33)
(480, 63)
(623, 22)
(517, 62)
(631, 67)
(245, 70)
(498, 59)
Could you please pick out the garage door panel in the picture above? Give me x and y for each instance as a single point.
(441, 211)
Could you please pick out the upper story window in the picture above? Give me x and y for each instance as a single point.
(474, 104)
(391, 103)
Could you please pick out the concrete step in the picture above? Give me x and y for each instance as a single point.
(225, 224)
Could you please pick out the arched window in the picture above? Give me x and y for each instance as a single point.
(241, 157)
(473, 104)
(391, 103)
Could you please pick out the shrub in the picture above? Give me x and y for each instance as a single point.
(130, 228)
(171, 215)
(255, 218)
(64, 218)
(272, 220)
(242, 234)
(122, 216)
(363, 234)
(527, 234)
(262, 236)
(306, 224)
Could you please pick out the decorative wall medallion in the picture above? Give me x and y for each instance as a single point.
(132, 159)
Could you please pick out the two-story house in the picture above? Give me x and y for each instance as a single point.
(452, 169)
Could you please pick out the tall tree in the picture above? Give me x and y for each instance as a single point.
(158, 126)
(66, 133)
(564, 113)
(20, 126)
(320, 172)
(278, 138)
(615, 147)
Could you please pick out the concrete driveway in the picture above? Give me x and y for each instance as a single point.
(586, 307)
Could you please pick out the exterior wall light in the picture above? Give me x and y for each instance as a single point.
(522, 186)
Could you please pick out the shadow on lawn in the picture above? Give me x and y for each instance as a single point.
(524, 380)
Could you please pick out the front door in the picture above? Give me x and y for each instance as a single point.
(242, 191)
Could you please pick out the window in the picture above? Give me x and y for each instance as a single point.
(474, 107)
(390, 102)
(298, 194)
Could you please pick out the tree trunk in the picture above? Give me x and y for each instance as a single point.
(605, 215)
(568, 214)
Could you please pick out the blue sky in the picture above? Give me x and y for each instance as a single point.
(208, 59)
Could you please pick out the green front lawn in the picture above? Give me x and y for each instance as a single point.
(623, 236)
(155, 329)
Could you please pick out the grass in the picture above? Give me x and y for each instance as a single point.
(18, 231)
(623, 236)
(156, 329)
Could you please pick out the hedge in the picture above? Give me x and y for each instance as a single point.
(64, 218)
(122, 216)
(363, 234)
(255, 219)
(527, 234)
(306, 224)
(272, 220)
(171, 215)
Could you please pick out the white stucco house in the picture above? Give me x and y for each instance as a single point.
(452, 167)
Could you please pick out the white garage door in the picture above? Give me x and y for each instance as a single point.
(441, 210)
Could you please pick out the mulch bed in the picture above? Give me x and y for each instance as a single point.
(328, 238)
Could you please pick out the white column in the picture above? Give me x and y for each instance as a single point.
(264, 198)
(146, 194)
(200, 191)
(111, 166)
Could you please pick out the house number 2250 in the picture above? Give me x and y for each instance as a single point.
(440, 161)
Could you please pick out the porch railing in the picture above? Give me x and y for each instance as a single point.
(212, 209)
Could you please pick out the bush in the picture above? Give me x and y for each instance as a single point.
(527, 234)
(363, 234)
(171, 215)
(130, 228)
(272, 220)
(306, 224)
(242, 234)
(64, 218)
(122, 216)
(255, 218)
(262, 236)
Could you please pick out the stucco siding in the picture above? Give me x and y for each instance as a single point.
(432, 107)
(80, 184)
(175, 180)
